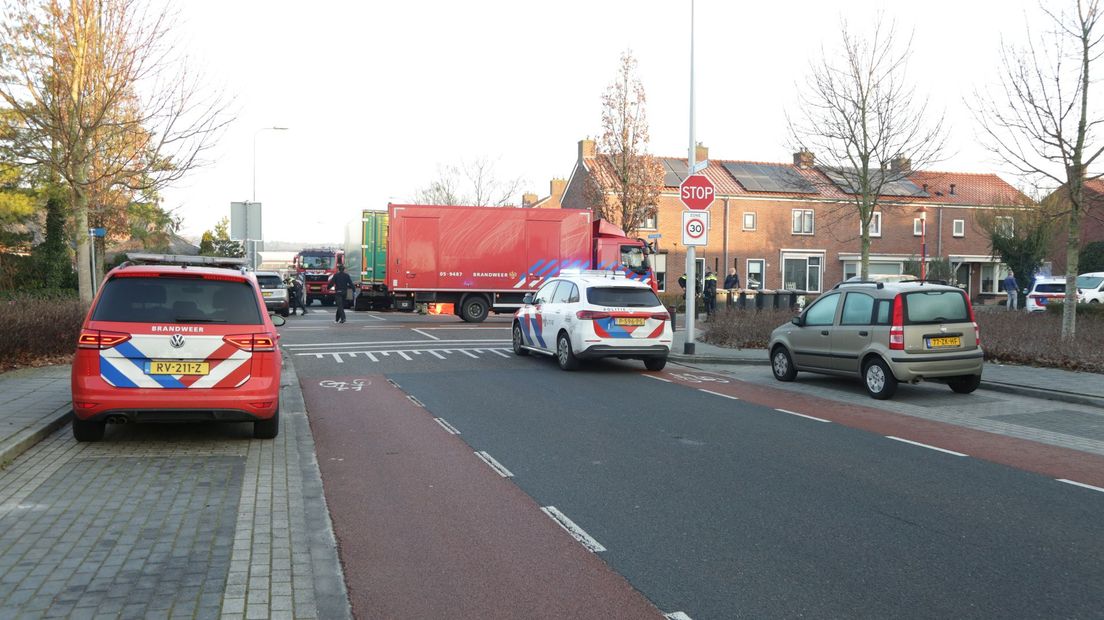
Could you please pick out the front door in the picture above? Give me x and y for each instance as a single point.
(420, 243)
(812, 342)
(851, 337)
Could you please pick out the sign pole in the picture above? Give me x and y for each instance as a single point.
(691, 277)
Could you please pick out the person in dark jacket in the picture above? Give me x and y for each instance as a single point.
(340, 283)
(732, 280)
(709, 293)
(294, 289)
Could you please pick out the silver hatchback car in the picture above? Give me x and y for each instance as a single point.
(885, 333)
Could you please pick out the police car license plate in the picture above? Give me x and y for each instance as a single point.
(629, 321)
(266, 293)
(949, 341)
(166, 367)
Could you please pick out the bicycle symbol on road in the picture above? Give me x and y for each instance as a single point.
(699, 378)
(355, 385)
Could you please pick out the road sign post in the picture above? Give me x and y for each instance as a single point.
(697, 193)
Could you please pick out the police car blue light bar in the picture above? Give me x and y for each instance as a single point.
(146, 258)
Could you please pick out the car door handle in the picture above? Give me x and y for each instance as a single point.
(864, 333)
(824, 332)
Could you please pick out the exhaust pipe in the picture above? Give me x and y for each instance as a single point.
(116, 419)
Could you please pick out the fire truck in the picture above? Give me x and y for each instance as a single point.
(479, 260)
(317, 266)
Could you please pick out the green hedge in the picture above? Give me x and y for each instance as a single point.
(1096, 310)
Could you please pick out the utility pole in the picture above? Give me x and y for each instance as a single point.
(691, 277)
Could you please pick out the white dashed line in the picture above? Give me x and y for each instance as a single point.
(495, 465)
(1081, 484)
(658, 378)
(802, 415)
(924, 445)
(677, 615)
(717, 394)
(422, 332)
(450, 429)
(392, 382)
(415, 401)
(576, 532)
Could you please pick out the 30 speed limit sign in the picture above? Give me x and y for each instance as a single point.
(695, 228)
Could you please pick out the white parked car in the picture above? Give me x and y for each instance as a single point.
(1044, 290)
(592, 314)
(1090, 287)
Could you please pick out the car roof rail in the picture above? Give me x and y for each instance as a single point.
(149, 258)
(877, 283)
(930, 280)
(601, 273)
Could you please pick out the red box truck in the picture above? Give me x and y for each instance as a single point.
(484, 259)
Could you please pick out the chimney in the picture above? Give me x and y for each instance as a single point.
(952, 189)
(586, 148)
(900, 165)
(528, 199)
(804, 159)
(701, 153)
(556, 188)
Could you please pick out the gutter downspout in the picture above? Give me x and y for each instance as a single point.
(939, 233)
(726, 263)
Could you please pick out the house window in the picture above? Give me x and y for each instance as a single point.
(959, 228)
(991, 277)
(650, 221)
(917, 227)
(699, 274)
(659, 267)
(801, 272)
(852, 268)
(875, 225)
(802, 221)
(749, 220)
(754, 273)
(1005, 226)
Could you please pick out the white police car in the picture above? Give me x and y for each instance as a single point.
(592, 314)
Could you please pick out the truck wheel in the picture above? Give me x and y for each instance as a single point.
(474, 309)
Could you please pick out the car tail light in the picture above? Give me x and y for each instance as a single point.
(591, 315)
(973, 319)
(96, 339)
(897, 327)
(661, 316)
(252, 342)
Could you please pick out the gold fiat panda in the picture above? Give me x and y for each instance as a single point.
(884, 333)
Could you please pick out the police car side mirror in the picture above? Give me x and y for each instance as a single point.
(528, 299)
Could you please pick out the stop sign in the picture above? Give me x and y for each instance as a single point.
(697, 192)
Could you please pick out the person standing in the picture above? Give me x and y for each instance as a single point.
(732, 280)
(301, 291)
(709, 293)
(1010, 286)
(293, 294)
(341, 284)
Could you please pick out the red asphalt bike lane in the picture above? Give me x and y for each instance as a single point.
(425, 529)
(1051, 461)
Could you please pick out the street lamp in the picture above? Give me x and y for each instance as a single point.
(253, 253)
(923, 211)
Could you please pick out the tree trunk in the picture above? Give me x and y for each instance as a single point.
(1073, 255)
(864, 264)
(84, 255)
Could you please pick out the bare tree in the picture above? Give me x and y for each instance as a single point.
(484, 187)
(105, 99)
(866, 124)
(1041, 123)
(637, 176)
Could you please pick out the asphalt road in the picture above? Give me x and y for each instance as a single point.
(713, 503)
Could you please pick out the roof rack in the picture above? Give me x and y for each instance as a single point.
(931, 280)
(877, 283)
(146, 258)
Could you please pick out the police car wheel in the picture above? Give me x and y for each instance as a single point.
(565, 357)
(655, 363)
(518, 349)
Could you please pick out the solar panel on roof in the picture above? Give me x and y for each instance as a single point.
(847, 179)
(675, 171)
(767, 178)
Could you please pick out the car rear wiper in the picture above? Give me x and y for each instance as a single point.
(198, 320)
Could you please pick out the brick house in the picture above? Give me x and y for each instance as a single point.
(787, 226)
(1092, 226)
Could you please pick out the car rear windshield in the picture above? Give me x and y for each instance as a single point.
(270, 281)
(1051, 288)
(936, 307)
(622, 297)
(178, 300)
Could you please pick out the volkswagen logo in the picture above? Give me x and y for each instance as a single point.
(176, 341)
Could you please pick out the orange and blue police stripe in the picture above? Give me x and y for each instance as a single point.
(532, 326)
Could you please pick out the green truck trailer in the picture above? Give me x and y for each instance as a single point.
(366, 258)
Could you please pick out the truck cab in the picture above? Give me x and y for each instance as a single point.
(616, 252)
(317, 266)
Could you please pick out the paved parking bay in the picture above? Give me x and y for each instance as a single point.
(180, 521)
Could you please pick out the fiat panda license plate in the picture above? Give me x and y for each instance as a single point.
(947, 341)
(629, 321)
(169, 367)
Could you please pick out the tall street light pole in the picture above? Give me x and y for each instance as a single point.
(253, 252)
